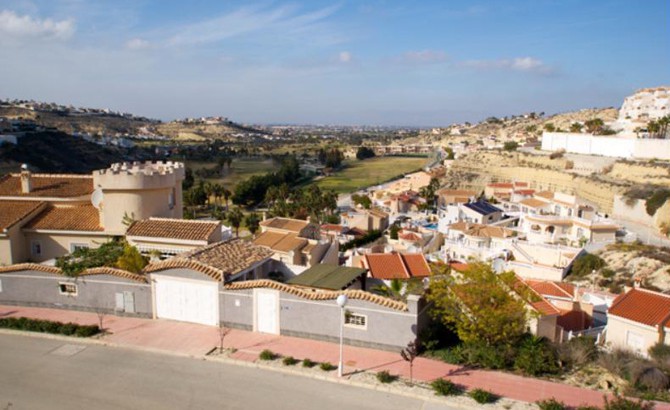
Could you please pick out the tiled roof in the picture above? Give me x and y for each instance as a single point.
(103, 270)
(456, 192)
(296, 291)
(555, 289)
(410, 236)
(280, 242)
(459, 266)
(174, 229)
(217, 260)
(482, 231)
(12, 212)
(287, 224)
(386, 266)
(416, 265)
(533, 202)
(46, 185)
(67, 218)
(573, 320)
(396, 266)
(524, 191)
(533, 299)
(378, 213)
(545, 194)
(642, 306)
(501, 185)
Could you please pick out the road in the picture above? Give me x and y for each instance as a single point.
(39, 373)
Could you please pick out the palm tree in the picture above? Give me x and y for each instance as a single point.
(235, 218)
(226, 196)
(253, 222)
(217, 190)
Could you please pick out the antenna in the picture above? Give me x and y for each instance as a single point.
(96, 198)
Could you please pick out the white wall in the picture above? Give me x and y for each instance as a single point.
(606, 146)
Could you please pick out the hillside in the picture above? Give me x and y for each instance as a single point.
(58, 152)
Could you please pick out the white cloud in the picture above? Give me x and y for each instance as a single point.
(344, 57)
(424, 57)
(137, 44)
(14, 26)
(524, 64)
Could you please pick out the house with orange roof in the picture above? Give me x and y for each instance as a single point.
(504, 191)
(638, 319)
(49, 215)
(385, 267)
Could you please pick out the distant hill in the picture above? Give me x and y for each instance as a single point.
(57, 152)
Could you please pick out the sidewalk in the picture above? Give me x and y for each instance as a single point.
(197, 340)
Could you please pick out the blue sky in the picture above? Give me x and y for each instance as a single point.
(349, 62)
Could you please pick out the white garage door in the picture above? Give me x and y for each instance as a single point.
(267, 311)
(187, 300)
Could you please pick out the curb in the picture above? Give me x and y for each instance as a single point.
(242, 363)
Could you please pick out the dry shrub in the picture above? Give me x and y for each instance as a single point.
(648, 377)
(617, 362)
(578, 352)
(661, 354)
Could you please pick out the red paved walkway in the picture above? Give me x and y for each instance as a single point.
(197, 340)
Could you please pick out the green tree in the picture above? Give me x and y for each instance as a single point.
(131, 260)
(393, 231)
(364, 153)
(594, 126)
(235, 218)
(253, 222)
(549, 127)
(479, 305)
(511, 146)
(362, 200)
(576, 127)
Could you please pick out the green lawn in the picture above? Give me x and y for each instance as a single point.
(361, 174)
(241, 169)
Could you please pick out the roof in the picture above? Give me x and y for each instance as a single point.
(378, 213)
(327, 295)
(532, 298)
(410, 236)
(183, 229)
(459, 266)
(280, 242)
(396, 266)
(67, 218)
(552, 289)
(217, 260)
(103, 270)
(12, 212)
(501, 185)
(47, 185)
(482, 207)
(332, 277)
(545, 194)
(287, 224)
(533, 202)
(482, 231)
(456, 192)
(573, 320)
(642, 306)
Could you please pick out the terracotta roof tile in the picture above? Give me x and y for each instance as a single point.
(174, 228)
(217, 260)
(12, 212)
(642, 306)
(280, 242)
(89, 272)
(416, 265)
(47, 185)
(287, 224)
(67, 218)
(533, 203)
(386, 266)
(547, 288)
(545, 194)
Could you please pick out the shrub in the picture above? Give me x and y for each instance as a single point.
(482, 396)
(646, 376)
(443, 387)
(308, 363)
(661, 354)
(585, 407)
(622, 403)
(617, 362)
(267, 355)
(551, 404)
(86, 331)
(482, 355)
(47, 326)
(536, 356)
(289, 361)
(584, 265)
(385, 377)
(326, 366)
(578, 352)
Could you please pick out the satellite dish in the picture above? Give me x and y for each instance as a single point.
(96, 198)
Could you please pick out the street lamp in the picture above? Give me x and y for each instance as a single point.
(341, 302)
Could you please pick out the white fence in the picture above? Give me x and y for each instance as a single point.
(606, 146)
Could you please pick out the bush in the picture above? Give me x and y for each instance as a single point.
(308, 363)
(385, 377)
(489, 357)
(326, 366)
(618, 362)
(510, 146)
(47, 326)
(647, 377)
(482, 396)
(579, 351)
(661, 354)
(443, 387)
(622, 403)
(584, 265)
(551, 404)
(289, 361)
(267, 355)
(536, 356)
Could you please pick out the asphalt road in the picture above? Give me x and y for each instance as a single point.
(38, 373)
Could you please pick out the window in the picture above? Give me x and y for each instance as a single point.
(75, 246)
(355, 320)
(171, 198)
(66, 288)
(36, 248)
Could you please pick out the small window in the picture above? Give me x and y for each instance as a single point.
(76, 246)
(36, 248)
(171, 198)
(66, 288)
(355, 320)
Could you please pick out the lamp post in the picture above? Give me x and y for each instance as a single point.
(341, 302)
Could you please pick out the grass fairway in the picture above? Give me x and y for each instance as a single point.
(361, 174)
(241, 169)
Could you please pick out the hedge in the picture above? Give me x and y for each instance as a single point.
(47, 326)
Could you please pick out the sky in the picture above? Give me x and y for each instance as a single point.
(423, 63)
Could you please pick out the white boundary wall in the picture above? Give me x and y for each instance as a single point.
(606, 146)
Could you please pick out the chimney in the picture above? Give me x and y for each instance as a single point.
(265, 216)
(26, 181)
